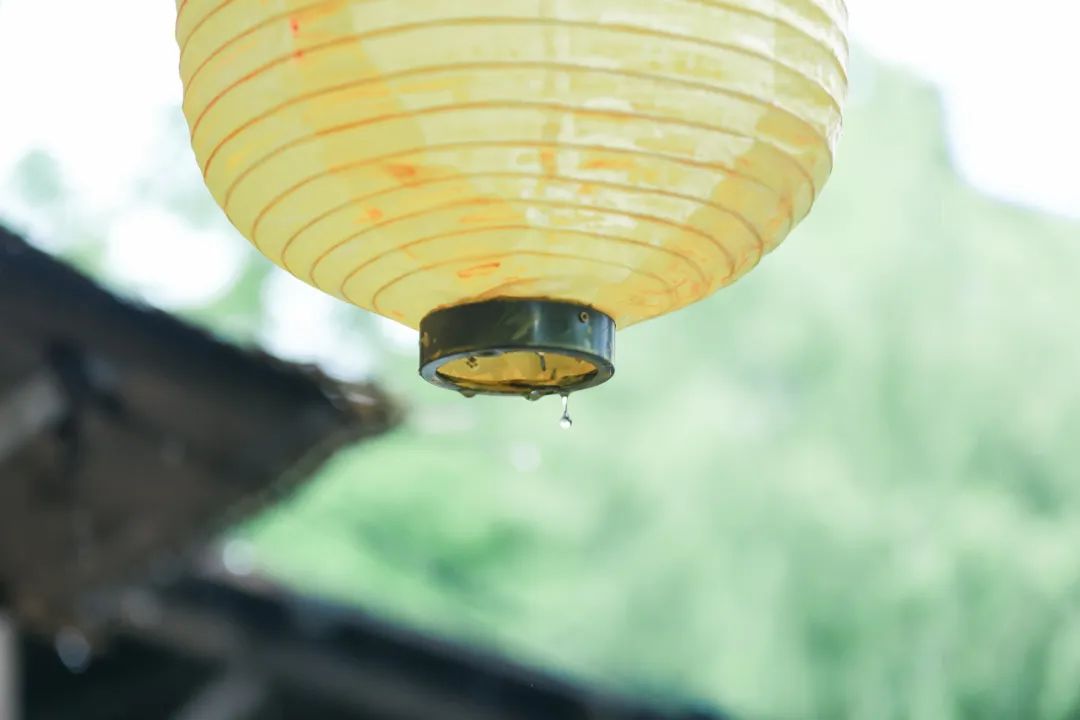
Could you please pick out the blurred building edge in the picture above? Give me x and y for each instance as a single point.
(127, 438)
(212, 647)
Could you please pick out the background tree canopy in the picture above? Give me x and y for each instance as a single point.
(844, 487)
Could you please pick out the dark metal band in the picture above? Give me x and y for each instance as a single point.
(494, 327)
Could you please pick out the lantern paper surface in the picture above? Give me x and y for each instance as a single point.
(632, 156)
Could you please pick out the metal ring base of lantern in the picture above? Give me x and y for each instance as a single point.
(530, 348)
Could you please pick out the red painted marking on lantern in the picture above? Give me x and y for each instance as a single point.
(479, 270)
(608, 164)
(295, 25)
(401, 171)
(547, 162)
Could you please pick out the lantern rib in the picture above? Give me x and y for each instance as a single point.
(203, 20)
(558, 178)
(286, 16)
(504, 105)
(553, 204)
(452, 234)
(669, 289)
(567, 67)
(687, 162)
(618, 239)
(486, 21)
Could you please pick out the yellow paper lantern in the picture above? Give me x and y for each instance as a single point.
(514, 178)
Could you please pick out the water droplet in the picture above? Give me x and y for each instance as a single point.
(534, 395)
(565, 422)
(468, 393)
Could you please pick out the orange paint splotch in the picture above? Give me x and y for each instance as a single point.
(608, 164)
(323, 10)
(479, 270)
(294, 25)
(375, 214)
(547, 162)
(402, 171)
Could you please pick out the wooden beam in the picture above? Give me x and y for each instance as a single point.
(362, 666)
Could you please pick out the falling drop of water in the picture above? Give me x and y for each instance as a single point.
(565, 422)
(534, 395)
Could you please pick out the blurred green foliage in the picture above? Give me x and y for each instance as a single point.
(844, 488)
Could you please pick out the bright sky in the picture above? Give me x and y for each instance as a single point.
(1008, 71)
(91, 86)
(90, 83)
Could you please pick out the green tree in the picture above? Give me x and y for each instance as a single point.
(844, 487)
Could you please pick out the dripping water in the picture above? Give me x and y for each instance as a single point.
(565, 422)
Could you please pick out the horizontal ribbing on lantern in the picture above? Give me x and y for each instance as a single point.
(407, 155)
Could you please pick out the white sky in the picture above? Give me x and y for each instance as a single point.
(1010, 74)
(90, 83)
(91, 87)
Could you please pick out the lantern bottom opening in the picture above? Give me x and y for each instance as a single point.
(508, 346)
